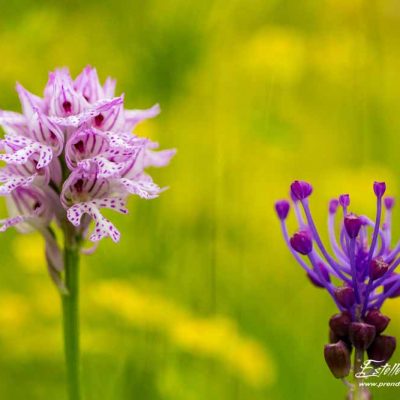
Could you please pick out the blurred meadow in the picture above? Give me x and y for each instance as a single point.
(201, 299)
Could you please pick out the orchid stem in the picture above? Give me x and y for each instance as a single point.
(70, 305)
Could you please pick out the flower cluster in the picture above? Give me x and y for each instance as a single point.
(72, 153)
(359, 274)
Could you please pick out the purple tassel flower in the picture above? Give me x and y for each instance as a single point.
(358, 272)
(69, 155)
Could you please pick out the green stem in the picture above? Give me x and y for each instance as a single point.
(70, 305)
(358, 393)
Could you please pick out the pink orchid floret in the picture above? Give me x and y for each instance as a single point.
(72, 153)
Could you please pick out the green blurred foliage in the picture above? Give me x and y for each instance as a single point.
(201, 299)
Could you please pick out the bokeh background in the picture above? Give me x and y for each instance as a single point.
(201, 299)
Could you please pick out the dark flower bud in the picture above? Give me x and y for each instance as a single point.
(345, 296)
(352, 223)
(377, 268)
(377, 319)
(302, 242)
(340, 323)
(379, 188)
(344, 200)
(361, 335)
(333, 205)
(389, 202)
(301, 190)
(381, 349)
(282, 209)
(388, 286)
(337, 357)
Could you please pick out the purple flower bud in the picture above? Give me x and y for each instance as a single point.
(379, 189)
(352, 223)
(376, 318)
(333, 205)
(340, 323)
(344, 200)
(345, 296)
(337, 357)
(282, 209)
(389, 202)
(377, 268)
(302, 242)
(381, 349)
(361, 335)
(301, 190)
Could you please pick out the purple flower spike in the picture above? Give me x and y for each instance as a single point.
(282, 209)
(71, 154)
(389, 202)
(352, 224)
(333, 205)
(301, 242)
(301, 190)
(379, 189)
(344, 200)
(362, 266)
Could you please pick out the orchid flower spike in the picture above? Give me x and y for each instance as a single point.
(72, 153)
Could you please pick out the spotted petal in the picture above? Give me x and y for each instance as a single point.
(27, 148)
(142, 186)
(10, 222)
(11, 182)
(103, 227)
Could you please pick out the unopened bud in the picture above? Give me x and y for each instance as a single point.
(377, 319)
(301, 190)
(379, 188)
(345, 296)
(381, 349)
(340, 323)
(302, 242)
(377, 268)
(337, 357)
(282, 209)
(352, 223)
(361, 335)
